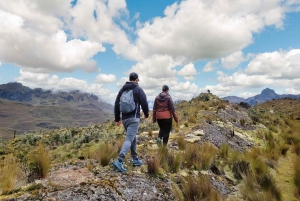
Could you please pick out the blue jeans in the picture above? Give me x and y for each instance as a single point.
(131, 126)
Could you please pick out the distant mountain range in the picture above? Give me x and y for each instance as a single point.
(265, 95)
(24, 109)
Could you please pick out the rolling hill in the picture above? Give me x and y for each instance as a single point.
(23, 109)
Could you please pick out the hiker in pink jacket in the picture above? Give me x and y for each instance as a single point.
(163, 111)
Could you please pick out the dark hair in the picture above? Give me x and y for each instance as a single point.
(133, 76)
(165, 88)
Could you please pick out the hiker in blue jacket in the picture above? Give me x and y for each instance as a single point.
(130, 121)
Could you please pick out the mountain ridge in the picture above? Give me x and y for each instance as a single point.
(265, 95)
(23, 109)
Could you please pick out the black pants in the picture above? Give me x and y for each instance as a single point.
(165, 126)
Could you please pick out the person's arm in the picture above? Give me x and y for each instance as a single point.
(172, 109)
(143, 101)
(154, 111)
(117, 106)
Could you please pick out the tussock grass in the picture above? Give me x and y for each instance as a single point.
(192, 119)
(174, 161)
(242, 122)
(162, 154)
(248, 190)
(224, 150)
(274, 148)
(181, 142)
(241, 169)
(9, 173)
(273, 128)
(283, 148)
(258, 182)
(150, 132)
(194, 189)
(269, 186)
(89, 166)
(208, 118)
(297, 176)
(221, 105)
(170, 161)
(254, 190)
(254, 153)
(199, 157)
(41, 161)
(102, 153)
(260, 169)
(296, 148)
(153, 165)
(205, 106)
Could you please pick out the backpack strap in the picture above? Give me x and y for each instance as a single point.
(137, 103)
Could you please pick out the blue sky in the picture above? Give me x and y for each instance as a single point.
(192, 45)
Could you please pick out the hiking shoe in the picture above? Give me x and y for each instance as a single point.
(137, 162)
(159, 141)
(119, 165)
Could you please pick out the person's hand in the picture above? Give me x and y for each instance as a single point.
(118, 123)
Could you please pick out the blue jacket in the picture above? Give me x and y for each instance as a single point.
(140, 100)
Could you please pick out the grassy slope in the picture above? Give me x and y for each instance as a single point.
(24, 117)
(284, 177)
(187, 111)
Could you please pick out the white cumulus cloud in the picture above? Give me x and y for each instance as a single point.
(233, 60)
(277, 64)
(32, 49)
(210, 66)
(269, 69)
(198, 29)
(53, 82)
(155, 71)
(105, 78)
(55, 36)
(188, 71)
